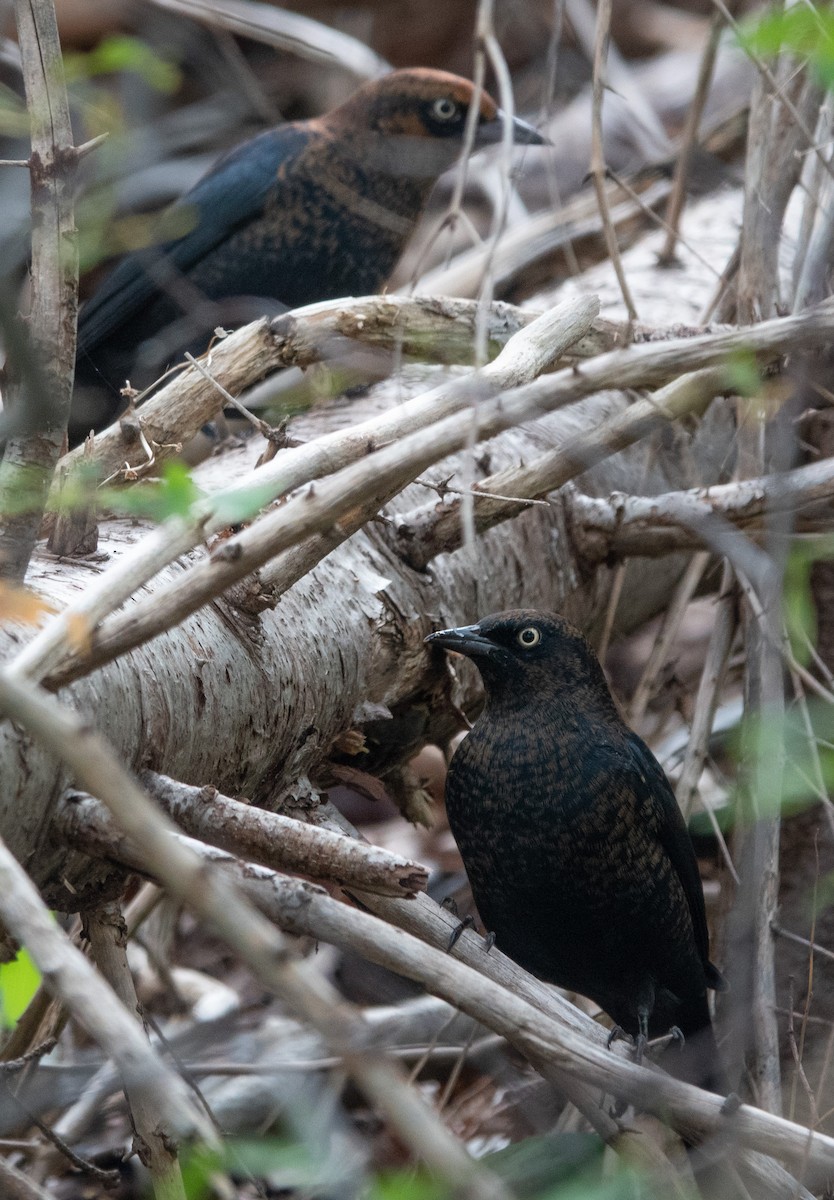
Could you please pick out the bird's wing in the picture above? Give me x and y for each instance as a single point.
(231, 194)
(652, 788)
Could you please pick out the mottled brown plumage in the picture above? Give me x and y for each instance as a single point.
(309, 211)
(579, 859)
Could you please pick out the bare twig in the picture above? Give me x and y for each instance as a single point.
(709, 688)
(523, 358)
(657, 525)
(563, 1042)
(71, 976)
(285, 30)
(99, 769)
(153, 1143)
(666, 257)
(669, 630)
(16, 1186)
(598, 153)
(40, 399)
(270, 838)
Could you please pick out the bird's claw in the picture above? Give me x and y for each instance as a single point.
(466, 923)
(489, 940)
(675, 1035)
(616, 1034)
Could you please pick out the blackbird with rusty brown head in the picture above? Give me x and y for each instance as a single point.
(578, 855)
(309, 211)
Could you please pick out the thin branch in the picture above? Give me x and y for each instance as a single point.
(689, 138)
(271, 839)
(562, 1042)
(288, 31)
(657, 525)
(709, 688)
(99, 769)
(71, 976)
(598, 152)
(153, 1142)
(671, 624)
(40, 404)
(523, 358)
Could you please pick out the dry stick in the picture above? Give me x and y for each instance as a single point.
(657, 525)
(524, 357)
(252, 936)
(425, 326)
(386, 471)
(15, 1186)
(661, 222)
(307, 910)
(647, 132)
(677, 199)
(752, 975)
(174, 413)
(772, 172)
(772, 169)
(282, 842)
(40, 399)
(154, 1144)
(616, 591)
(765, 701)
(629, 525)
(70, 976)
(563, 1042)
(488, 48)
(379, 330)
(706, 700)
(539, 236)
(598, 153)
(668, 632)
(815, 237)
(431, 530)
(288, 31)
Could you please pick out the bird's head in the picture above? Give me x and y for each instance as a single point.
(529, 653)
(417, 117)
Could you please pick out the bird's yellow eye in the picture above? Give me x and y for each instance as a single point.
(444, 109)
(529, 637)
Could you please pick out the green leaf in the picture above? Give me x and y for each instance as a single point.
(800, 614)
(122, 53)
(800, 610)
(405, 1185)
(173, 496)
(744, 373)
(242, 504)
(199, 1165)
(804, 30)
(540, 1163)
(19, 980)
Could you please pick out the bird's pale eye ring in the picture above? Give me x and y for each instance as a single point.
(444, 109)
(529, 637)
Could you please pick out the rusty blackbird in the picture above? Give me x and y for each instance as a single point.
(578, 855)
(309, 211)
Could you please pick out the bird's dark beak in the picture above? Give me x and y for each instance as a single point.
(491, 132)
(467, 639)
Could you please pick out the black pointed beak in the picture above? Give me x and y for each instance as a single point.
(466, 639)
(491, 132)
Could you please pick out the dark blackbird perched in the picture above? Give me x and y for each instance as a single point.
(578, 855)
(309, 211)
